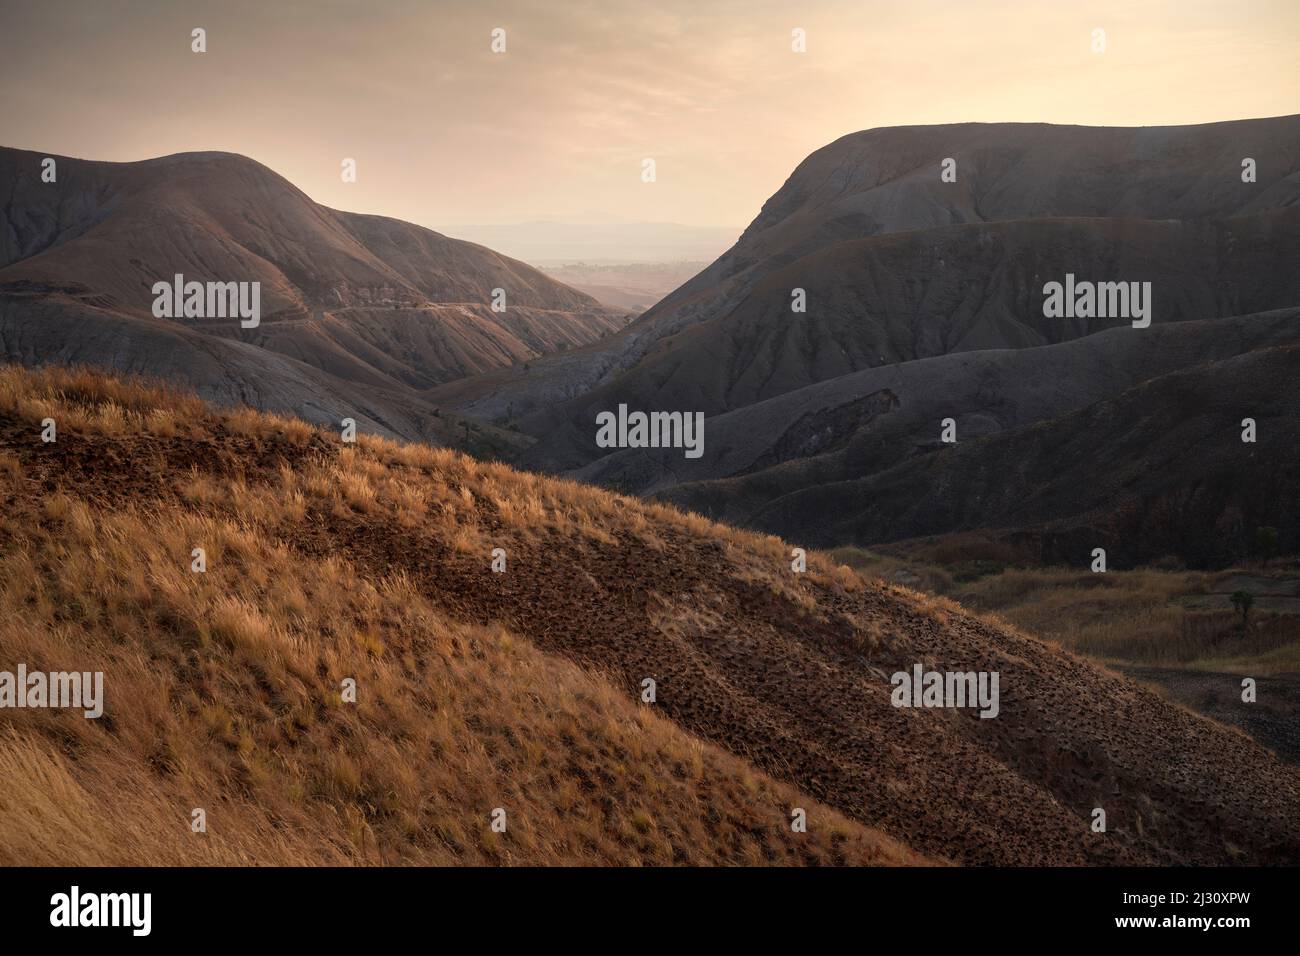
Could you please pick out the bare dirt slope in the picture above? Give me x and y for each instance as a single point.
(368, 299)
(924, 303)
(787, 672)
(868, 421)
(881, 301)
(898, 264)
(1159, 469)
(43, 330)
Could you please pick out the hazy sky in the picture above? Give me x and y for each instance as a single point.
(445, 132)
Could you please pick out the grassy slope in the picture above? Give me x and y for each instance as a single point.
(223, 688)
(517, 690)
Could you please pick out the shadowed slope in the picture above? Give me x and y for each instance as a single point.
(1128, 440)
(854, 425)
(898, 264)
(1158, 469)
(886, 300)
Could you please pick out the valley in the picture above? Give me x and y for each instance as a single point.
(486, 498)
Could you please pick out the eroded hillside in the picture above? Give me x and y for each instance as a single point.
(357, 312)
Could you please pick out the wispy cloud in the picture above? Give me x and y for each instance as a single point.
(445, 131)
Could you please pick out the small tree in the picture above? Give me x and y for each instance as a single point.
(1243, 601)
(1266, 543)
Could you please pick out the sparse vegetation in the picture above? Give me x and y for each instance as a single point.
(1159, 615)
(1266, 544)
(1243, 601)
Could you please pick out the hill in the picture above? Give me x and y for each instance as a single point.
(1159, 469)
(925, 303)
(519, 690)
(898, 264)
(359, 312)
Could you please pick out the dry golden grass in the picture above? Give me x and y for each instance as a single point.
(80, 398)
(224, 689)
(1140, 616)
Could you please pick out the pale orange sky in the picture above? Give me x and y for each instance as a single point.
(445, 132)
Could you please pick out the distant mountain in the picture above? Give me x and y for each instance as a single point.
(925, 301)
(631, 285)
(380, 306)
(547, 243)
